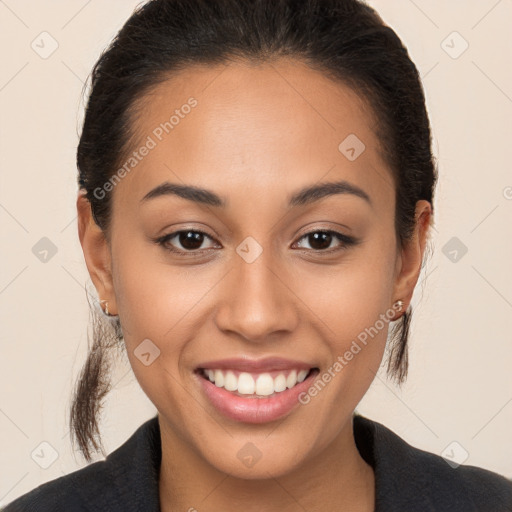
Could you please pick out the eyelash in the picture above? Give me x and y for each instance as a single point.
(347, 241)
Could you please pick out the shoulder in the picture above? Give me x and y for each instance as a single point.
(64, 493)
(424, 481)
(128, 475)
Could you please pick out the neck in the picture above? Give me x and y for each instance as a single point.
(337, 478)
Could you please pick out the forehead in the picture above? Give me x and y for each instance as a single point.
(271, 127)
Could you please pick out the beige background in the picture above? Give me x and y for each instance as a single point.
(460, 384)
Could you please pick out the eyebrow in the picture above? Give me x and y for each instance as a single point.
(304, 196)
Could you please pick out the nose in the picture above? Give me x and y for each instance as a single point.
(257, 300)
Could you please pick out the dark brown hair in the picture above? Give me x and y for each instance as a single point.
(345, 39)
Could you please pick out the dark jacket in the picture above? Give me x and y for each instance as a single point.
(407, 479)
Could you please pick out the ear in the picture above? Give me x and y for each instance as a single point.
(411, 256)
(96, 252)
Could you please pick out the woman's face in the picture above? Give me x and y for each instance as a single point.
(263, 281)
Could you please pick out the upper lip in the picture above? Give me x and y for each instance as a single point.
(267, 364)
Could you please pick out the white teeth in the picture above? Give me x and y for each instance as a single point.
(291, 380)
(219, 378)
(279, 383)
(245, 384)
(231, 382)
(263, 385)
(302, 375)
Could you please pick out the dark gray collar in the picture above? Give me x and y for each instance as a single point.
(407, 479)
(410, 479)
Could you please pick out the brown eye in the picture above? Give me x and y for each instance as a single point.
(321, 240)
(184, 241)
(190, 240)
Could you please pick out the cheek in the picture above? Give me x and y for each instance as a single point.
(154, 302)
(162, 303)
(351, 296)
(155, 299)
(355, 313)
(355, 309)
(340, 306)
(151, 295)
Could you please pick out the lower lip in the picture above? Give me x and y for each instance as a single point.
(255, 410)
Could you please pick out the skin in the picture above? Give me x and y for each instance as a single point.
(258, 134)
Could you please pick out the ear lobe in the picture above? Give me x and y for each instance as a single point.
(412, 254)
(96, 251)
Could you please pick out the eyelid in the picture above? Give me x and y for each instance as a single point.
(346, 241)
(163, 240)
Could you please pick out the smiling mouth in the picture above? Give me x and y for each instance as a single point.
(256, 384)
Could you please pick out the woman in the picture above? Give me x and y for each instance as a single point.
(256, 189)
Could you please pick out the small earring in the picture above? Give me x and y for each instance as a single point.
(399, 304)
(106, 307)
